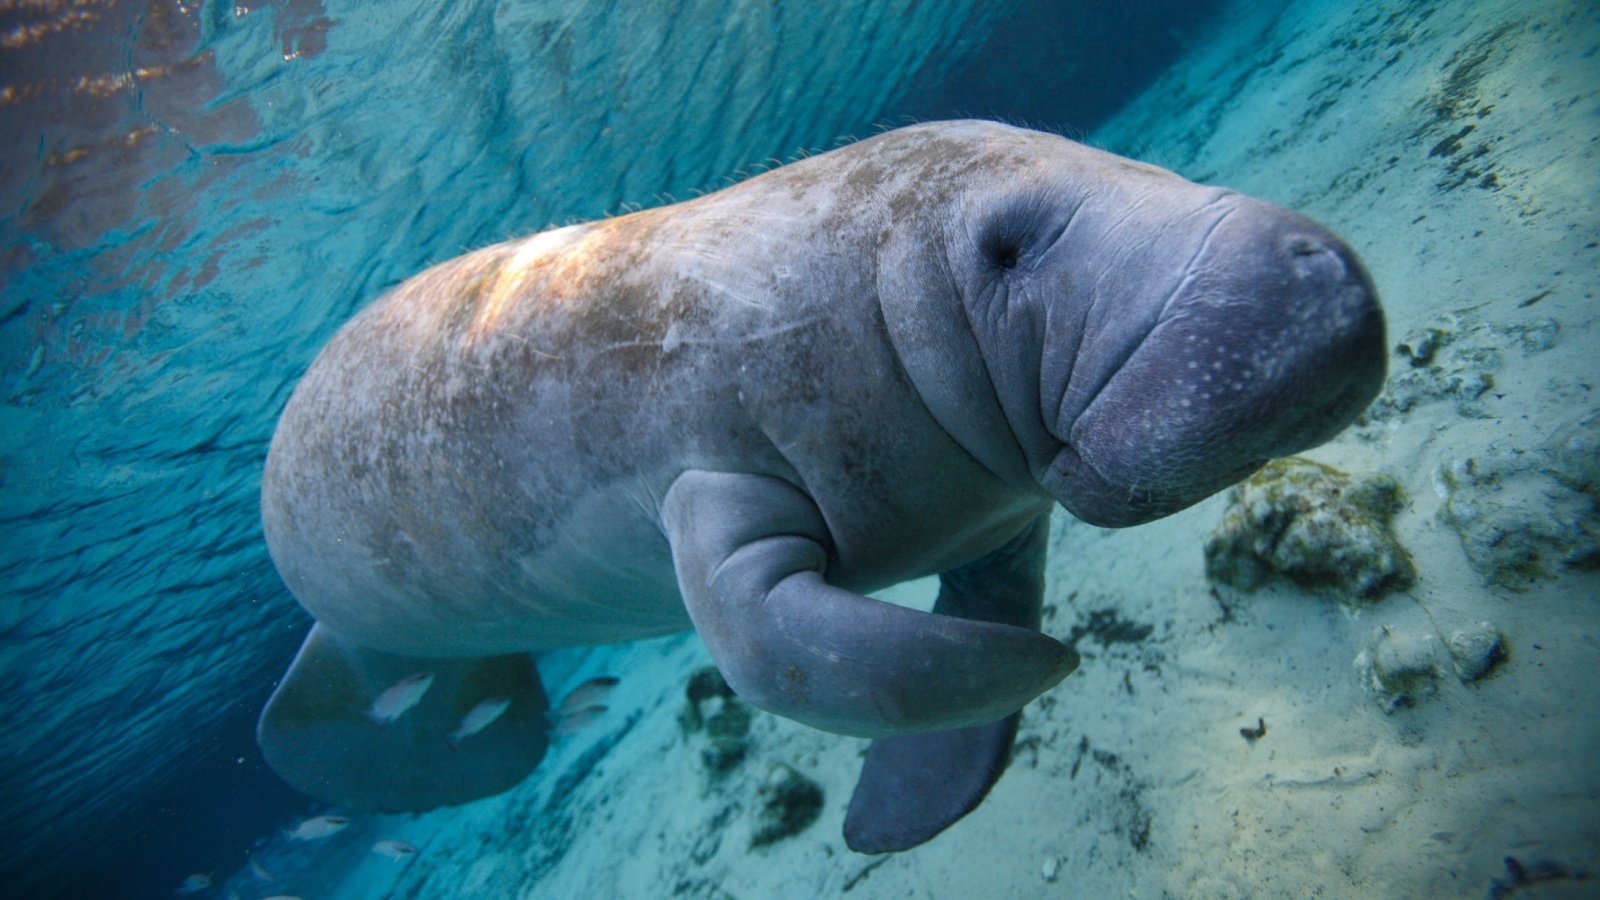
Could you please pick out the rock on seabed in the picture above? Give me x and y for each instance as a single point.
(1318, 527)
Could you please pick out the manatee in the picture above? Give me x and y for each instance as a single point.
(742, 413)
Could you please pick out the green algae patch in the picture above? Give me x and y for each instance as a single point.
(1320, 528)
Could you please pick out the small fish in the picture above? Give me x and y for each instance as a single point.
(320, 827)
(404, 694)
(479, 718)
(259, 872)
(588, 694)
(395, 850)
(194, 884)
(574, 722)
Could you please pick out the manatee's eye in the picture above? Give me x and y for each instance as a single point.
(1002, 251)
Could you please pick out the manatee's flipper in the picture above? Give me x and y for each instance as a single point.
(914, 786)
(750, 553)
(317, 735)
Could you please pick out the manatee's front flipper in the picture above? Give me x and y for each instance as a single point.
(317, 734)
(914, 786)
(750, 552)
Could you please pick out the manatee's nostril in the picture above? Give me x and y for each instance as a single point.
(1314, 259)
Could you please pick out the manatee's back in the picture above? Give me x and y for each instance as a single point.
(427, 491)
(474, 463)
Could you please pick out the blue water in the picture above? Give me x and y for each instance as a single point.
(193, 196)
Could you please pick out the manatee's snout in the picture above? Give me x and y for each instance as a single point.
(1271, 342)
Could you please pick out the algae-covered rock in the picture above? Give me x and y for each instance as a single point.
(1444, 361)
(1537, 336)
(1575, 455)
(1399, 666)
(724, 719)
(1476, 650)
(1455, 360)
(790, 802)
(1314, 525)
(1524, 514)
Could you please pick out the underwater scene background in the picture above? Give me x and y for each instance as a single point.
(1369, 673)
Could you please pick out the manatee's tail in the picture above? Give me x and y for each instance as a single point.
(315, 736)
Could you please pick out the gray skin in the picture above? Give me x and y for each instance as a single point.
(743, 412)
